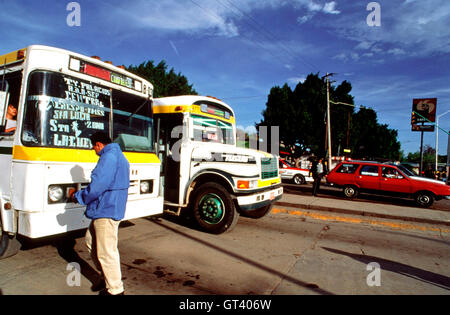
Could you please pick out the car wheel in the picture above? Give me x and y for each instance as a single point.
(424, 199)
(299, 179)
(350, 191)
(214, 209)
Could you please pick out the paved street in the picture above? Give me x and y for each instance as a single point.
(283, 253)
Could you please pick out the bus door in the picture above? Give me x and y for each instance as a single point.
(169, 138)
(10, 85)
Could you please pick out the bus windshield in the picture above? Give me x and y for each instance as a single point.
(63, 111)
(212, 130)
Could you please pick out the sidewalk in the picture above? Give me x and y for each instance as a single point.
(366, 209)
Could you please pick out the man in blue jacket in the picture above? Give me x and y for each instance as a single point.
(106, 198)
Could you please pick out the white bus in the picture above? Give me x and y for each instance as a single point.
(60, 99)
(204, 174)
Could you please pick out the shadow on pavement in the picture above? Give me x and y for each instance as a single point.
(66, 249)
(408, 271)
(309, 286)
(65, 245)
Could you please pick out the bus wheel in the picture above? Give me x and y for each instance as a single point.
(214, 209)
(9, 245)
(258, 213)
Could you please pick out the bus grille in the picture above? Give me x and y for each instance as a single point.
(269, 168)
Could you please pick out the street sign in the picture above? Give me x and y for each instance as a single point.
(424, 128)
(426, 107)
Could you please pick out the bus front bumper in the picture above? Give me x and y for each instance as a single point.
(259, 200)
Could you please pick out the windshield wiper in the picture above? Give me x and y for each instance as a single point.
(137, 110)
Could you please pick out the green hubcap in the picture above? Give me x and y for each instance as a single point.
(211, 208)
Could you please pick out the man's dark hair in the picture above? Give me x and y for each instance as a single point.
(101, 137)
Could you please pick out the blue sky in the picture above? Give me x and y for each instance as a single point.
(237, 50)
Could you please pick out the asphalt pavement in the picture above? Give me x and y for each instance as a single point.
(330, 199)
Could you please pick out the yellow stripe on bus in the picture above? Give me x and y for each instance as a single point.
(75, 156)
(170, 109)
(12, 57)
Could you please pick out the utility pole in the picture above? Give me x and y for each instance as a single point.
(328, 121)
(448, 159)
(437, 138)
(421, 153)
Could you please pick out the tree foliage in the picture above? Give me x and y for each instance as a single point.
(301, 115)
(165, 83)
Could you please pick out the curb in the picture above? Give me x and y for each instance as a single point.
(362, 213)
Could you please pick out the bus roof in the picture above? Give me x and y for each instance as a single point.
(21, 55)
(188, 100)
(195, 104)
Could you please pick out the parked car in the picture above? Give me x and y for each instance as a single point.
(386, 179)
(289, 172)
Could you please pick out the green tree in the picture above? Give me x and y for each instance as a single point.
(429, 156)
(301, 115)
(165, 83)
(279, 102)
(341, 116)
(310, 102)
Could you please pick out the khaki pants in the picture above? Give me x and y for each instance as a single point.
(102, 241)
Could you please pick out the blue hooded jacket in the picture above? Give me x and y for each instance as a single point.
(106, 196)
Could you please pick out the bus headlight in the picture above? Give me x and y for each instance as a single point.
(247, 184)
(55, 194)
(146, 186)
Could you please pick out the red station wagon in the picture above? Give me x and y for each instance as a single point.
(387, 179)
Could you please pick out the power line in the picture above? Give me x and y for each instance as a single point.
(261, 29)
(258, 29)
(215, 15)
(243, 97)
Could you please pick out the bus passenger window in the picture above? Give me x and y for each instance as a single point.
(11, 85)
(11, 117)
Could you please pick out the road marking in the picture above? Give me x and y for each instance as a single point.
(328, 217)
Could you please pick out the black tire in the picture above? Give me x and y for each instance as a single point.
(424, 199)
(258, 213)
(350, 191)
(9, 245)
(214, 209)
(299, 179)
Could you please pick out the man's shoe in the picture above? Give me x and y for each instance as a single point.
(101, 285)
(105, 292)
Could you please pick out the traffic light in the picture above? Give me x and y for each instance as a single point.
(413, 118)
